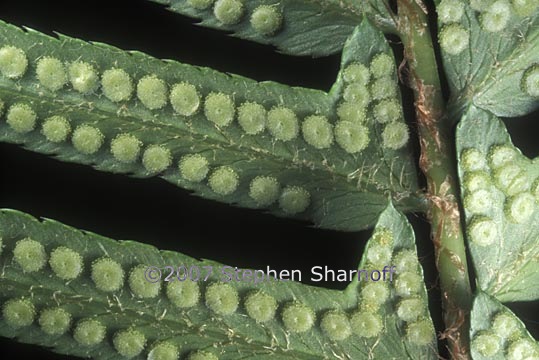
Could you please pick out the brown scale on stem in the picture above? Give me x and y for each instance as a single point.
(437, 163)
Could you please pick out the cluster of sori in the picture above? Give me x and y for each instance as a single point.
(152, 92)
(370, 92)
(109, 277)
(265, 19)
(454, 38)
(493, 16)
(405, 292)
(511, 180)
(506, 335)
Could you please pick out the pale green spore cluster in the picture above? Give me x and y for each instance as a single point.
(228, 12)
(375, 294)
(379, 255)
(56, 129)
(472, 160)
(405, 261)
(260, 306)
(294, 199)
(183, 294)
(164, 351)
(185, 99)
(479, 202)
(264, 190)
(382, 66)
(357, 94)
(450, 11)
(520, 208)
(221, 298)
(21, 118)
(139, 284)
(87, 139)
(18, 313)
(13, 62)
(317, 131)
(408, 284)
(420, 332)
(525, 8)
(30, 255)
(89, 332)
(500, 155)
(356, 73)
(486, 343)
(66, 263)
(51, 73)
(266, 19)
(496, 17)
(336, 325)
(410, 309)
(352, 137)
(369, 91)
(252, 118)
(282, 124)
(366, 324)
(129, 343)
(384, 88)
(117, 85)
(512, 179)
(411, 304)
(83, 77)
(483, 231)
(298, 317)
(125, 148)
(504, 165)
(454, 39)
(505, 325)
(395, 135)
(224, 181)
(347, 111)
(156, 159)
(194, 167)
(476, 180)
(219, 108)
(152, 92)
(522, 349)
(388, 110)
(107, 275)
(54, 321)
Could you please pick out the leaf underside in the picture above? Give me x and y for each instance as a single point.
(197, 327)
(507, 267)
(489, 71)
(485, 310)
(315, 28)
(347, 191)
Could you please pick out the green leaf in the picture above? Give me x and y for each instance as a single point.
(316, 28)
(497, 333)
(224, 328)
(501, 189)
(486, 68)
(333, 184)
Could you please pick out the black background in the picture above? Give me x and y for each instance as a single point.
(156, 212)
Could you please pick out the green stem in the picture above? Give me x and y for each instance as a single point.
(437, 161)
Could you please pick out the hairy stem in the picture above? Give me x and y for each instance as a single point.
(437, 163)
